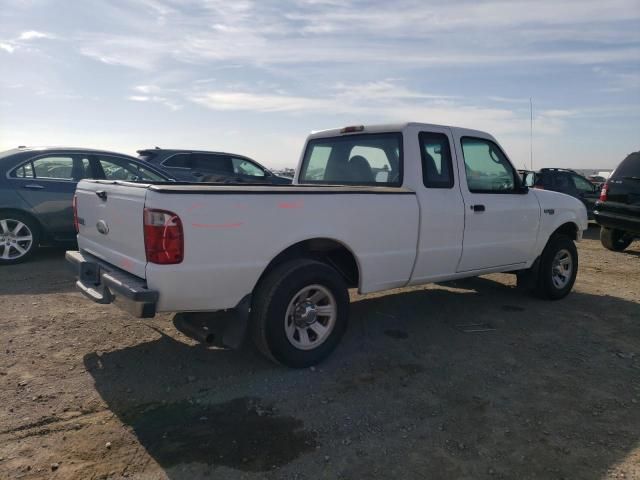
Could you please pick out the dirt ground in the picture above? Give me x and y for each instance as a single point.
(472, 379)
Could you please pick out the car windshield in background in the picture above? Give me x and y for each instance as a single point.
(367, 159)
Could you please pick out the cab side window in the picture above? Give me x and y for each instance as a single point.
(488, 170)
(583, 185)
(437, 166)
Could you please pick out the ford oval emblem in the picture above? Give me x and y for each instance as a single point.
(102, 227)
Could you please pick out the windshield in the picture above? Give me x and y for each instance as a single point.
(368, 159)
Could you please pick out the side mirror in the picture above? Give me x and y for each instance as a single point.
(522, 190)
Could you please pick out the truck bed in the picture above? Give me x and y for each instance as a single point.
(232, 232)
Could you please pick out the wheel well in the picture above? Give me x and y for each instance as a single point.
(325, 250)
(569, 229)
(26, 214)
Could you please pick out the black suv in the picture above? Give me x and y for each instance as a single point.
(618, 210)
(202, 166)
(569, 182)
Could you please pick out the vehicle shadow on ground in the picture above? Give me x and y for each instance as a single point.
(477, 375)
(20, 279)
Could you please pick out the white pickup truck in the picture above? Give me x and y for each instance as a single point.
(372, 208)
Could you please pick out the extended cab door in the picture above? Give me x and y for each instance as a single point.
(501, 218)
(441, 205)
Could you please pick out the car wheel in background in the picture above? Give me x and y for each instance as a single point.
(299, 312)
(558, 268)
(19, 237)
(615, 240)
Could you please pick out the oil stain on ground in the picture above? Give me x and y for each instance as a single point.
(240, 434)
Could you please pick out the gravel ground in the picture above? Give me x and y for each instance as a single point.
(470, 379)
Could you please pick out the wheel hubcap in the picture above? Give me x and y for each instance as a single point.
(561, 269)
(310, 317)
(16, 239)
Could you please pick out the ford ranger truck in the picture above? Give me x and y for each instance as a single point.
(371, 207)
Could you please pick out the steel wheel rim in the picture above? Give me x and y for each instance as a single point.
(561, 269)
(16, 239)
(310, 317)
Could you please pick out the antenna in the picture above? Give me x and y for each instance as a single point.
(531, 132)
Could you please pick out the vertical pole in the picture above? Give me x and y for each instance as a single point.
(531, 133)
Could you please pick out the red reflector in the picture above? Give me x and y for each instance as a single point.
(353, 128)
(76, 224)
(163, 237)
(603, 192)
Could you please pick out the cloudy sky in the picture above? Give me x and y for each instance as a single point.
(255, 77)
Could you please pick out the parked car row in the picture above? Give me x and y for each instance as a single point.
(37, 186)
(564, 181)
(618, 209)
(613, 202)
(201, 166)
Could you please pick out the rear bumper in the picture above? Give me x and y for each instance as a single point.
(104, 283)
(617, 221)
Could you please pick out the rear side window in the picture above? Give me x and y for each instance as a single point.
(207, 162)
(437, 167)
(121, 169)
(367, 159)
(24, 171)
(562, 182)
(180, 160)
(54, 168)
(630, 167)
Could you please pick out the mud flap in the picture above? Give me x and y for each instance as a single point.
(226, 328)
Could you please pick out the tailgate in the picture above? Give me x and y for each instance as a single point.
(110, 217)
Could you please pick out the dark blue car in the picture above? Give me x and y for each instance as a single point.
(37, 187)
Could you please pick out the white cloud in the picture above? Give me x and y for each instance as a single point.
(156, 99)
(7, 47)
(34, 35)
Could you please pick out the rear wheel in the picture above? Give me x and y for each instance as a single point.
(615, 240)
(299, 312)
(558, 268)
(19, 237)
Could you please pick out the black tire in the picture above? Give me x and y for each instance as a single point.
(615, 240)
(31, 227)
(271, 300)
(546, 286)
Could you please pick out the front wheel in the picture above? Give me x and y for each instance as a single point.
(558, 268)
(299, 312)
(615, 240)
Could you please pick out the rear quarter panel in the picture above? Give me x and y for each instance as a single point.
(231, 238)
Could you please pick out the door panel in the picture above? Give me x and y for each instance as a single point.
(441, 206)
(501, 225)
(47, 185)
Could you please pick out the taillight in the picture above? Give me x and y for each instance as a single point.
(163, 237)
(603, 192)
(76, 224)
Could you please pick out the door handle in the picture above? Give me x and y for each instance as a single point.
(478, 208)
(33, 186)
